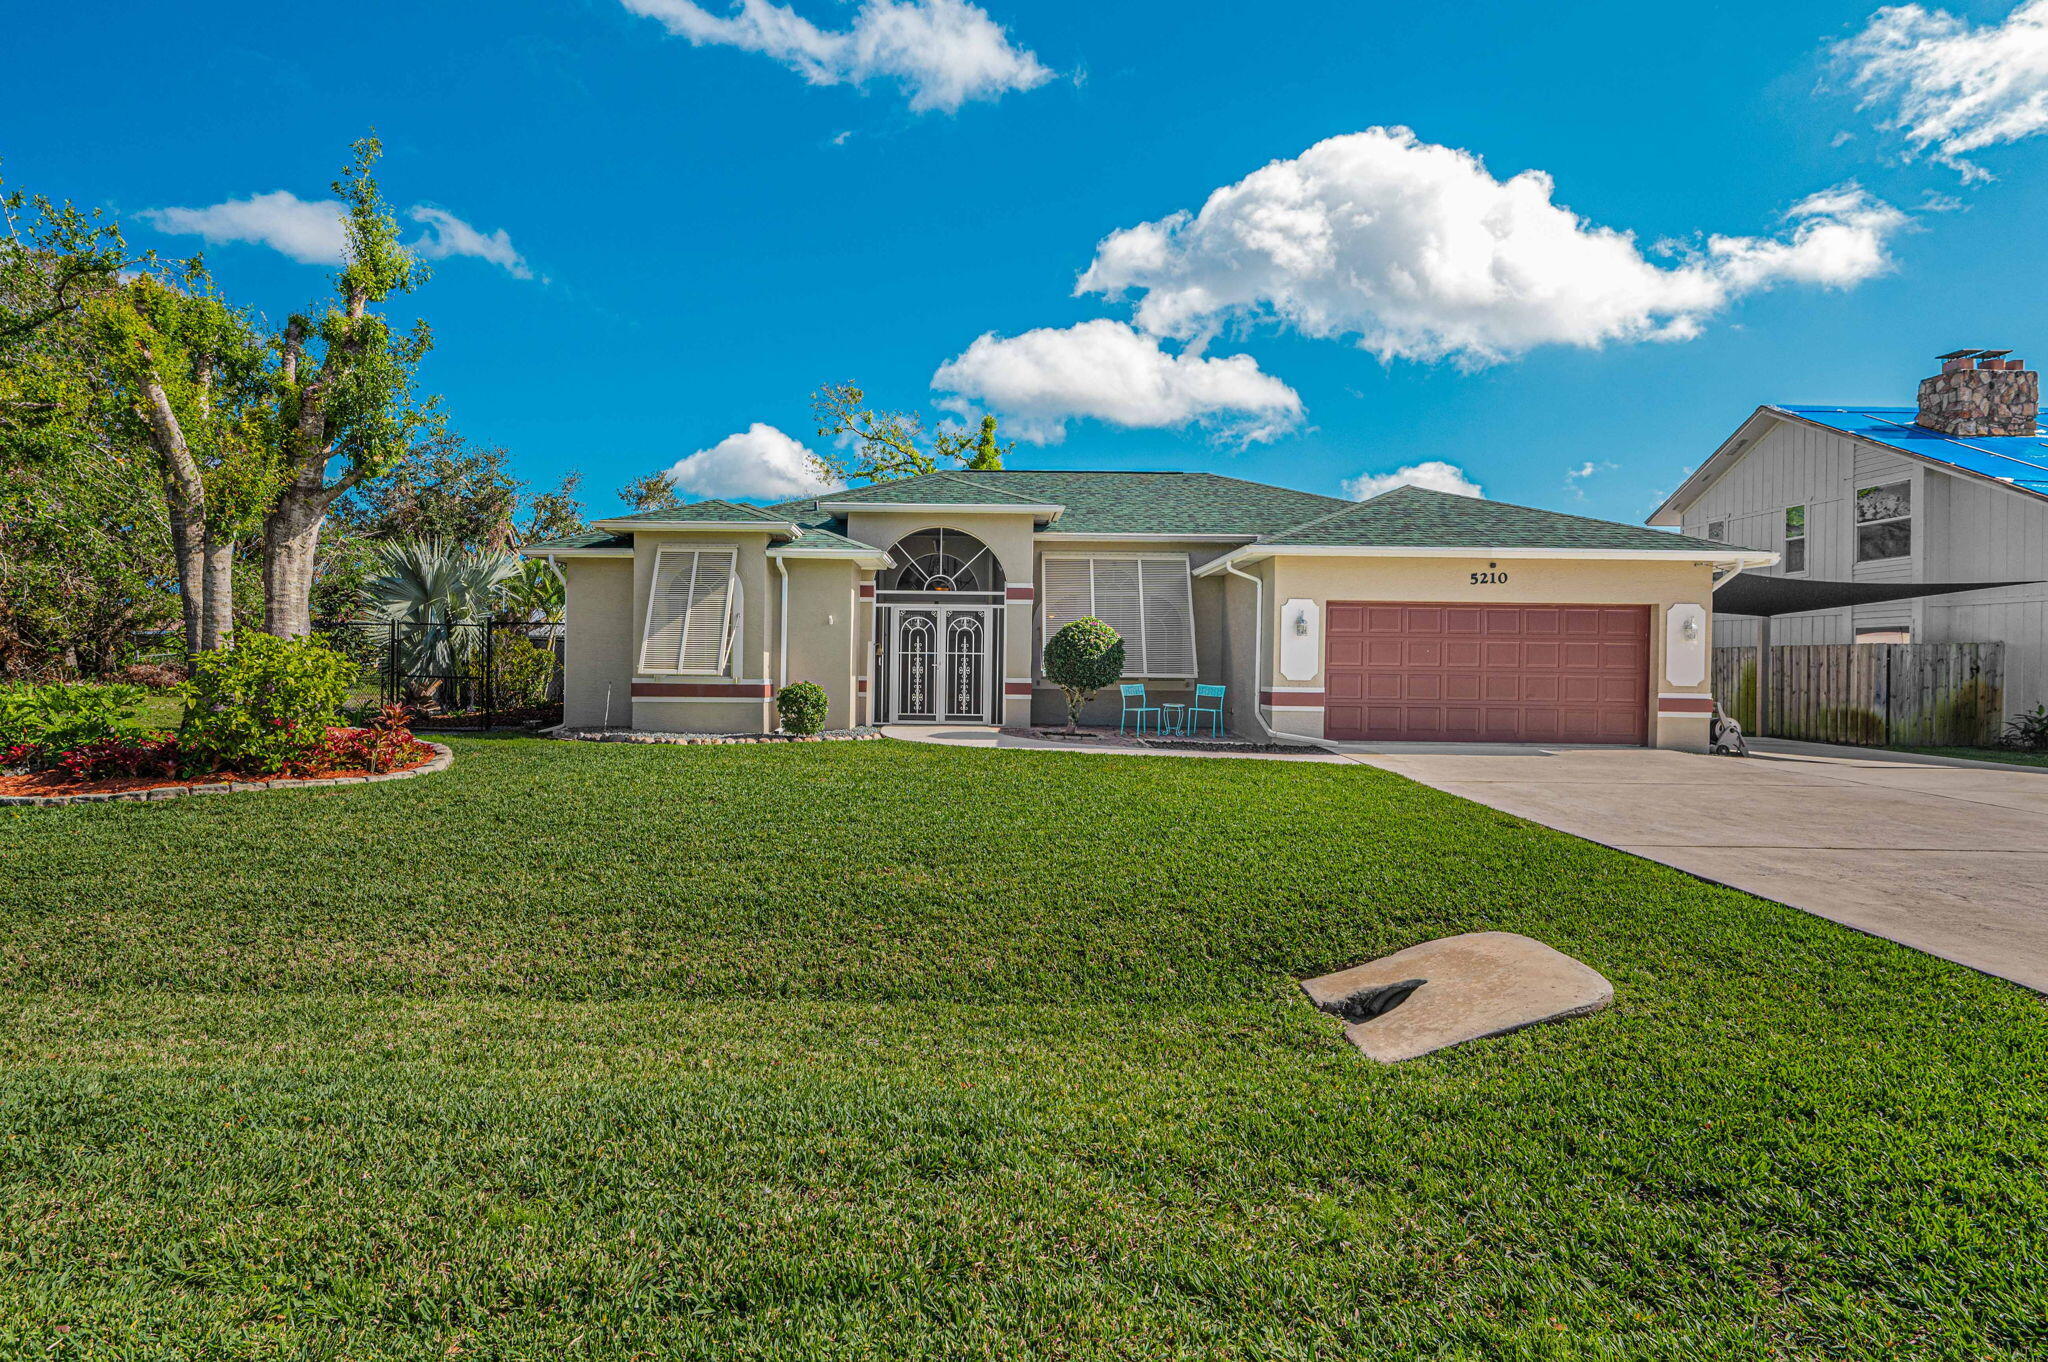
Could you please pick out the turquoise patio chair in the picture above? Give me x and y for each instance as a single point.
(1141, 709)
(1213, 712)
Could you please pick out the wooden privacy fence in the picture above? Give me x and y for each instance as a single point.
(1870, 694)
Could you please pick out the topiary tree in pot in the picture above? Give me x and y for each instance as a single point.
(802, 706)
(1082, 658)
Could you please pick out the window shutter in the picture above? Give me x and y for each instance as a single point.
(668, 605)
(704, 637)
(1119, 603)
(1169, 617)
(1069, 592)
(689, 611)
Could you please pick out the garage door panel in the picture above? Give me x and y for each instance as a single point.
(1427, 672)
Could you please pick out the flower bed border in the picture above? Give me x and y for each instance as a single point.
(441, 760)
(706, 739)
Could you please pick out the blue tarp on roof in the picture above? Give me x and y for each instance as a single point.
(2018, 459)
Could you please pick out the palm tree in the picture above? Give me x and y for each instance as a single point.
(424, 591)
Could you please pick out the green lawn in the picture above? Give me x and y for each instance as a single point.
(872, 1049)
(2004, 754)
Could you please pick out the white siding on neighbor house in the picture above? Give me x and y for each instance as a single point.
(1964, 529)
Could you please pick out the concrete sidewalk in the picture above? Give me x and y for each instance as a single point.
(1946, 857)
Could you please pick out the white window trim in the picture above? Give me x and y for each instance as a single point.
(733, 595)
(1187, 580)
(1803, 508)
(1858, 524)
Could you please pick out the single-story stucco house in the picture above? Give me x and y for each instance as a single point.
(1415, 615)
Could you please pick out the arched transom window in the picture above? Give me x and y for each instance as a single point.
(942, 560)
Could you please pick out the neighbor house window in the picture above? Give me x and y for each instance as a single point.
(1795, 539)
(1884, 522)
(692, 605)
(1717, 530)
(1146, 598)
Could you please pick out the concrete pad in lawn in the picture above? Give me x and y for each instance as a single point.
(1457, 989)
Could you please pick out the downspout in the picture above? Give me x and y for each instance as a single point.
(1258, 648)
(782, 642)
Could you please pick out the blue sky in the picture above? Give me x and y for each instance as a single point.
(710, 229)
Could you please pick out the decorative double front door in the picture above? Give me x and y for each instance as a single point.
(939, 664)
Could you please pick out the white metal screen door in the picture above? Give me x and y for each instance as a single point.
(939, 665)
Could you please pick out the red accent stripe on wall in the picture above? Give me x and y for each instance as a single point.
(867, 591)
(1019, 593)
(1017, 688)
(691, 690)
(1691, 704)
(1311, 699)
(861, 684)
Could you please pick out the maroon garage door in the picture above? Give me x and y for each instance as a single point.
(1421, 672)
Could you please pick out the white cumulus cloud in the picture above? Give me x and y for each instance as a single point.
(1434, 475)
(942, 53)
(759, 462)
(310, 230)
(1105, 370)
(1951, 88)
(447, 235)
(1416, 251)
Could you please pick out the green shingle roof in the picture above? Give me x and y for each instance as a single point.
(714, 509)
(1411, 517)
(943, 487)
(1103, 502)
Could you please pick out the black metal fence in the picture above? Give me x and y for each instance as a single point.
(488, 674)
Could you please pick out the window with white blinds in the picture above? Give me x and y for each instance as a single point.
(691, 606)
(1146, 598)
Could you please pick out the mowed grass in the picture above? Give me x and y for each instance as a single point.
(873, 1049)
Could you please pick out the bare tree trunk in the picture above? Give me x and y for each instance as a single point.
(185, 499)
(291, 540)
(218, 627)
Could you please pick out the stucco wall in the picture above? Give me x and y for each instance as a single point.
(752, 659)
(1531, 581)
(598, 652)
(821, 632)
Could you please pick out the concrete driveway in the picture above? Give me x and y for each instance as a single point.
(1949, 858)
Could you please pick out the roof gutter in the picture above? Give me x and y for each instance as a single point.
(1252, 553)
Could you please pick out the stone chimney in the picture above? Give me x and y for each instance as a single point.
(1981, 392)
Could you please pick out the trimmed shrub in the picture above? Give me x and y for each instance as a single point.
(262, 706)
(1081, 658)
(40, 723)
(121, 757)
(802, 706)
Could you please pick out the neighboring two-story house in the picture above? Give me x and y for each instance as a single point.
(1953, 489)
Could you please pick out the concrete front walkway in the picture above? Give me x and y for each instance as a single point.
(1949, 858)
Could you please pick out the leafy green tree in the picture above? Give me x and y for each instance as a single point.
(1082, 658)
(193, 388)
(654, 492)
(893, 444)
(555, 514)
(345, 394)
(445, 487)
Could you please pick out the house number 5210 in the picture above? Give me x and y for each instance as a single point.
(1489, 579)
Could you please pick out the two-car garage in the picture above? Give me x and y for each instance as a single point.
(1418, 671)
